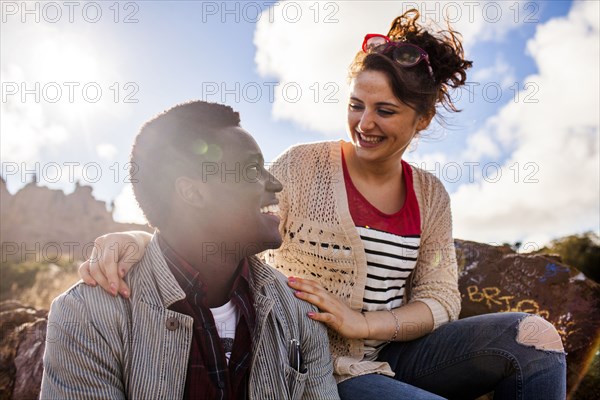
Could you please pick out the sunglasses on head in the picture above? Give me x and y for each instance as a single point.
(405, 54)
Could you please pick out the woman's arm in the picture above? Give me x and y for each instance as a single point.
(112, 257)
(435, 278)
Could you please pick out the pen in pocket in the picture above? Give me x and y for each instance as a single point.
(295, 356)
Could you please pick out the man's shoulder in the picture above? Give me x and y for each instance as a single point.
(82, 292)
(279, 279)
(83, 302)
(263, 274)
(277, 286)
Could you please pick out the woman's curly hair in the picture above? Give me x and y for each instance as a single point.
(414, 86)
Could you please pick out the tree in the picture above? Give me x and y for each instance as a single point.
(581, 251)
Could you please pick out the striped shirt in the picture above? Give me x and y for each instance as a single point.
(390, 260)
(391, 243)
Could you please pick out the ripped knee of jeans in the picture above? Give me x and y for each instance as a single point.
(537, 332)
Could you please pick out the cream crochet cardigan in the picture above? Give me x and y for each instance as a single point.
(321, 242)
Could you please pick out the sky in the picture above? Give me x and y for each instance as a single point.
(520, 161)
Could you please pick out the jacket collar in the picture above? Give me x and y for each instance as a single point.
(261, 274)
(153, 270)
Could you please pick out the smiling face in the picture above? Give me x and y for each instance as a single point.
(240, 196)
(379, 125)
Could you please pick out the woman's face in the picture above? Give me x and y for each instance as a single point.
(379, 125)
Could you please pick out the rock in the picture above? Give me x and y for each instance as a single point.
(9, 305)
(496, 279)
(42, 224)
(28, 360)
(22, 344)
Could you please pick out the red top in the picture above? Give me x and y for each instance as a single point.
(405, 222)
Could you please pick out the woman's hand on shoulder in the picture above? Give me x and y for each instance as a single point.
(112, 257)
(332, 311)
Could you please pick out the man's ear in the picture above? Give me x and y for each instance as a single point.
(189, 191)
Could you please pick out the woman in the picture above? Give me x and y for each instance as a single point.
(368, 239)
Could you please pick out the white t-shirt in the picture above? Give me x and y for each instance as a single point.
(226, 318)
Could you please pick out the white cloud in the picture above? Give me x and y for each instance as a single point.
(314, 54)
(481, 21)
(479, 146)
(550, 181)
(432, 162)
(107, 151)
(126, 207)
(26, 127)
(501, 73)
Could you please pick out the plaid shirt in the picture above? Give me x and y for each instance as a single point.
(208, 374)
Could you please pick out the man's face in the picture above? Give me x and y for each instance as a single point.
(240, 194)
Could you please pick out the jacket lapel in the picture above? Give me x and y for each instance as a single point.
(161, 337)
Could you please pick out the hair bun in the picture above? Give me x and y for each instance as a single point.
(445, 50)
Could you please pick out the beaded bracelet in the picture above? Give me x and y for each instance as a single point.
(395, 335)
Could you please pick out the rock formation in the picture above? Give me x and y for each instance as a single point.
(22, 344)
(45, 223)
(495, 279)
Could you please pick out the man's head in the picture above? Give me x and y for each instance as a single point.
(194, 166)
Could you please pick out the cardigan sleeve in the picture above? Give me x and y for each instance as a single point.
(435, 280)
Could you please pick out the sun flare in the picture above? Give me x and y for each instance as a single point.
(70, 75)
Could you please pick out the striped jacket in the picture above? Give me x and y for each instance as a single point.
(102, 347)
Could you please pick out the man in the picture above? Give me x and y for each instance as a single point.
(206, 319)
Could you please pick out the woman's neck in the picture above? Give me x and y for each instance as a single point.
(376, 173)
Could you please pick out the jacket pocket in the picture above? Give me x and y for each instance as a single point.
(296, 382)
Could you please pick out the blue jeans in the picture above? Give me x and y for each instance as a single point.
(462, 360)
